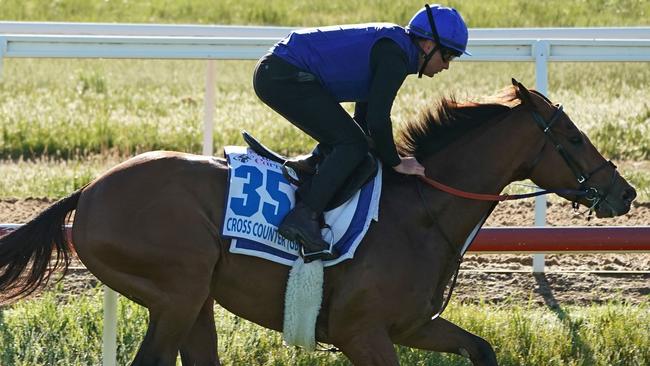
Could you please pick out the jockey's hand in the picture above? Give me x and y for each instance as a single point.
(410, 166)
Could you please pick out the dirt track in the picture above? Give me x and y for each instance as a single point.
(500, 278)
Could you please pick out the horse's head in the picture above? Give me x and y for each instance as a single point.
(568, 160)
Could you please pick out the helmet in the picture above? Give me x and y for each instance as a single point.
(448, 24)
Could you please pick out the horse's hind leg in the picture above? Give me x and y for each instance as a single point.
(170, 322)
(443, 336)
(200, 346)
(170, 275)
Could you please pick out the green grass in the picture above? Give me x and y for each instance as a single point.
(48, 177)
(478, 13)
(69, 108)
(69, 120)
(609, 334)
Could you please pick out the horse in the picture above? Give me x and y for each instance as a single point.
(149, 228)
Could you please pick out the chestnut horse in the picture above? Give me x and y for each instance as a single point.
(150, 229)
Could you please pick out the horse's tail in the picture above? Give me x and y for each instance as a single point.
(26, 260)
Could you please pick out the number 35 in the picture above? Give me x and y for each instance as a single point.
(273, 212)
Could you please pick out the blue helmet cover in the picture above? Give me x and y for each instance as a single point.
(450, 26)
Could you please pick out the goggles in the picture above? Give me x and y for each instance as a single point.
(448, 54)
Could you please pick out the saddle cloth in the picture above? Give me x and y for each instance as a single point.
(258, 198)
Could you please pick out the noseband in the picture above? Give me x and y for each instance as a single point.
(591, 194)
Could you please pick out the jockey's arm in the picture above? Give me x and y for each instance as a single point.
(389, 68)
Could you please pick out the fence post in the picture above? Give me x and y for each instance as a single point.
(3, 50)
(109, 336)
(541, 50)
(208, 109)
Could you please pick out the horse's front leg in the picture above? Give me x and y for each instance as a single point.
(441, 335)
(200, 346)
(370, 347)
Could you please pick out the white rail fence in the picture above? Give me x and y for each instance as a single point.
(140, 41)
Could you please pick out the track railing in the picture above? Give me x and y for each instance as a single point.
(528, 239)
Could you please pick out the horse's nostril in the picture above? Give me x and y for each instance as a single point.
(629, 194)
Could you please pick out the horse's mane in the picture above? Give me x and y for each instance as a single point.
(436, 128)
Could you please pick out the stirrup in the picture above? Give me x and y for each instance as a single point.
(291, 175)
(305, 164)
(325, 254)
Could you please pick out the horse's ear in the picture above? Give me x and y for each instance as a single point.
(522, 92)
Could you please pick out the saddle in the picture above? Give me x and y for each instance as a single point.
(299, 171)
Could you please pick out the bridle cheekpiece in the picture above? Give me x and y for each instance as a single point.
(591, 194)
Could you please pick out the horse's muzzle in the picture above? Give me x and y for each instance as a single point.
(612, 206)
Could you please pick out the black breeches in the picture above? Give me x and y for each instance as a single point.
(307, 105)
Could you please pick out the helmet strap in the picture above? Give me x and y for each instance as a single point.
(427, 58)
(436, 38)
(432, 23)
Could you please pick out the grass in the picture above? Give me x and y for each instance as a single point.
(70, 108)
(83, 116)
(607, 334)
(49, 177)
(478, 13)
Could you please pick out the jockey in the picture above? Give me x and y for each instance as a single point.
(307, 74)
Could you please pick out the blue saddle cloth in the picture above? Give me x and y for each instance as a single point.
(258, 198)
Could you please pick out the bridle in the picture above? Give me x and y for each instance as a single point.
(591, 194)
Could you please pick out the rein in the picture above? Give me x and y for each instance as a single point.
(496, 197)
(461, 254)
(591, 194)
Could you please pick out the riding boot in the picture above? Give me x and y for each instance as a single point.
(306, 163)
(302, 224)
